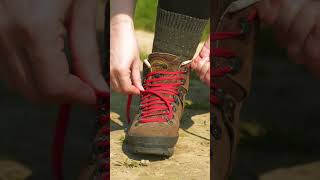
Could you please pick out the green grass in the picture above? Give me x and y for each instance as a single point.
(145, 15)
(143, 55)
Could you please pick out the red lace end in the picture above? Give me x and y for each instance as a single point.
(58, 142)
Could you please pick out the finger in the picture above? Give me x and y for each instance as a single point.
(136, 76)
(84, 45)
(203, 71)
(12, 68)
(125, 83)
(205, 51)
(114, 81)
(195, 62)
(299, 31)
(285, 20)
(268, 10)
(50, 70)
(16, 82)
(312, 50)
(200, 65)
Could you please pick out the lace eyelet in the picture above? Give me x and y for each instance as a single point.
(176, 100)
(181, 96)
(235, 64)
(219, 93)
(102, 101)
(229, 107)
(157, 75)
(245, 27)
(185, 69)
(216, 132)
(173, 108)
(102, 112)
(215, 129)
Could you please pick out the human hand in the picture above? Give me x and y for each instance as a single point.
(297, 24)
(201, 64)
(32, 60)
(124, 53)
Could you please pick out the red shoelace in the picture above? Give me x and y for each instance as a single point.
(101, 143)
(224, 53)
(158, 95)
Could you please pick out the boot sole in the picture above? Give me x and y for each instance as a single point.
(162, 146)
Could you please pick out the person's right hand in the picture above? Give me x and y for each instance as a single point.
(201, 63)
(124, 57)
(32, 60)
(297, 25)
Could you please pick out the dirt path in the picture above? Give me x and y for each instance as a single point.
(191, 158)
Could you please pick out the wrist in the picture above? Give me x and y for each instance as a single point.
(122, 21)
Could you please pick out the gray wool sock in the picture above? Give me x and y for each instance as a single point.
(177, 34)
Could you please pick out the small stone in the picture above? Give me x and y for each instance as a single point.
(144, 162)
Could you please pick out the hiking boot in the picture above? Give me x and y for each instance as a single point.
(98, 168)
(234, 25)
(155, 128)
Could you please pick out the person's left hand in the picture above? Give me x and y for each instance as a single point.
(201, 64)
(297, 24)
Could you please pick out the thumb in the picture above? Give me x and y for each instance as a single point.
(84, 46)
(204, 53)
(136, 76)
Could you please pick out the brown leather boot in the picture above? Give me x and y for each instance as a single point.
(99, 166)
(235, 27)
(155, 128)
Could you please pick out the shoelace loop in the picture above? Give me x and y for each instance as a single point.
(161, 88)
(226, 53)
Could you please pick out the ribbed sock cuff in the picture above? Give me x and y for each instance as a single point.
(177, 34)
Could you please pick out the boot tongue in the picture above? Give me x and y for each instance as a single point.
(219, 7)
(164, 62)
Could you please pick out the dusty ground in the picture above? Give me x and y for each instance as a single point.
(191, 158)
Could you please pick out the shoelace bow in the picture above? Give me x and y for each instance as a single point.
(158, 95)
(224, 53)
(101, 146)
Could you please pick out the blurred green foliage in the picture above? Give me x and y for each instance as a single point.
(145, 15)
